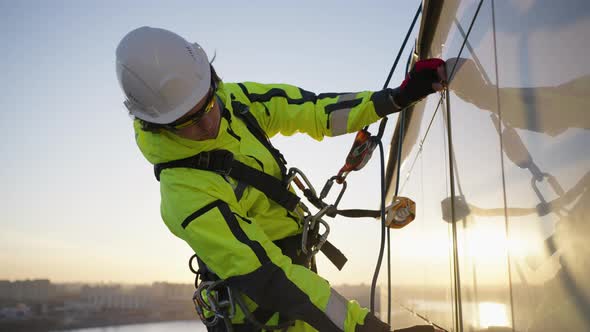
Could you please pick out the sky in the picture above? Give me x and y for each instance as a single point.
(78, 201)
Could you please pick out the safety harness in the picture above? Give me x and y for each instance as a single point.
(213, 294)
(224, 163)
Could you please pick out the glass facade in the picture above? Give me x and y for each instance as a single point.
(510, 252)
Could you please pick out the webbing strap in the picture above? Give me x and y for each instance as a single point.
(243, 112)
(291, 246)
(359, 213)
(223, 162)
(334, 255)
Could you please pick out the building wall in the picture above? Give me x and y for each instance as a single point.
(114, 297)
(38, 290)
(515, 255)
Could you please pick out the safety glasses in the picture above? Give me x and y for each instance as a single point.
(197, 116)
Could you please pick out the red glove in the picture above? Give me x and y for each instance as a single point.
(426, 77)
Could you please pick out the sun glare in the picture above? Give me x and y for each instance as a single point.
(493, 314)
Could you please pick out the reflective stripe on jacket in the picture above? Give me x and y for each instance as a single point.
(230, 226)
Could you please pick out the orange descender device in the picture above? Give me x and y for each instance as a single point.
(359, 154)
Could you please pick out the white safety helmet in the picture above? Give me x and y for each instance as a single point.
(162, 75)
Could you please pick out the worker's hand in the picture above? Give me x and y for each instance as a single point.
(426, 77)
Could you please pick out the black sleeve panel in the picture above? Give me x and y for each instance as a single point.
(383, 102)
(270, 288)
(372, 324)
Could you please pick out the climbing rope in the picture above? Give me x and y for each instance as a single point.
(382, 163)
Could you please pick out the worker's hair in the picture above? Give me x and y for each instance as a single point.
(155, 127)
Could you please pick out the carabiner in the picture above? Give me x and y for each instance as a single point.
(292, 177)
(543, 208)
(220, 307)
(201, 304)
(323, 236)
(328, 187)
(207, 297)
(310, 223)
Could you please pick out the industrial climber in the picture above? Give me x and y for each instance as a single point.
(217, 171)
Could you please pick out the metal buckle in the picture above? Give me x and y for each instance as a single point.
(222, 162)
(204, 158)
(228, 159)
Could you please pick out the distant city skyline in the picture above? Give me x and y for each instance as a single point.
(42, 305)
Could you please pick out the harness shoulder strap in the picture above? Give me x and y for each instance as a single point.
(223, 163)
(219, 161)
(243, 112)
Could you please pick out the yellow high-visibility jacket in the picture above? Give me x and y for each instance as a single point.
(231, 227)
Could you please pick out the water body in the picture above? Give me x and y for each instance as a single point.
(176, 326)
